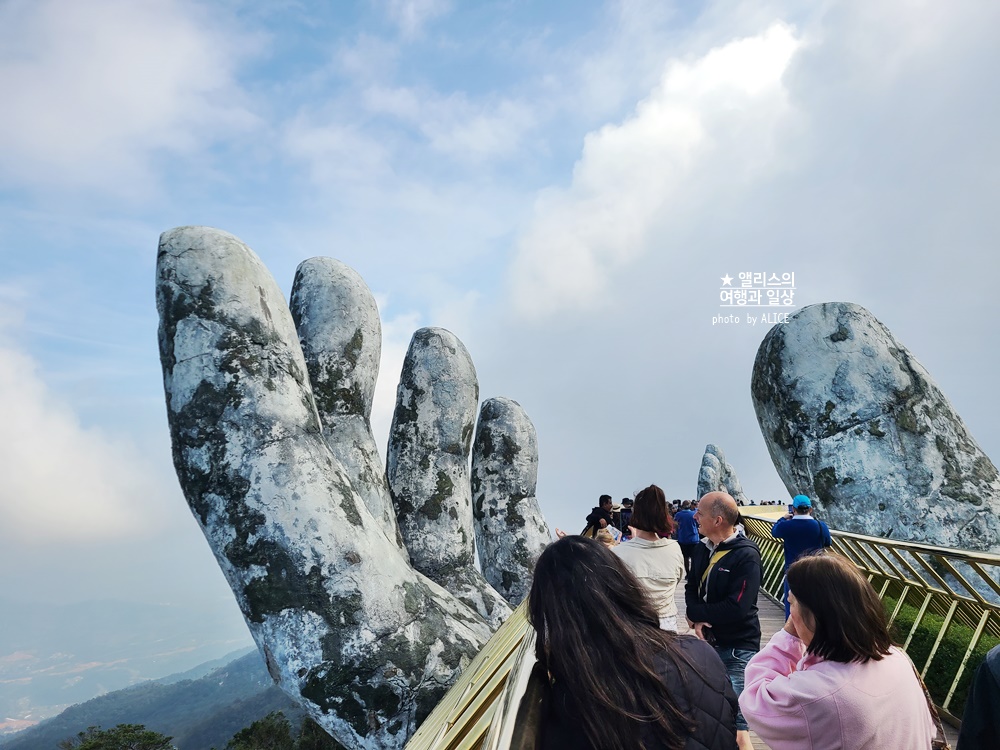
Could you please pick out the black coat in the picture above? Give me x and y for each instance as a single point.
(732, 585)
(981, 722)
(704, 693)
(594, 520)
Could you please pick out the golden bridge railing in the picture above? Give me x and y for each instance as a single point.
(478, 711)
(944, 603)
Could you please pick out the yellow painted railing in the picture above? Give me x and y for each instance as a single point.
(485, 698)
(944, 603)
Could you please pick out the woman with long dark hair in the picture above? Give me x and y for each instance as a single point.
(619, 682)
(832, 678)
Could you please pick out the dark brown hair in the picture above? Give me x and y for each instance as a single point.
(848, 617)
(598, 636)
(649, 512)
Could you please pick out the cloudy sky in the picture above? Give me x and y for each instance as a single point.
(562, 184)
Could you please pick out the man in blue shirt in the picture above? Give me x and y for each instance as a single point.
(802, 534)
(687, 532)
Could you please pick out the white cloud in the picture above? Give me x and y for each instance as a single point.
(454, 125)
(411, 15)
(60, 480)
(336, 154)
(722, 108)
(93, 90)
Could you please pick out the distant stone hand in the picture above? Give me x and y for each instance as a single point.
(358, 585)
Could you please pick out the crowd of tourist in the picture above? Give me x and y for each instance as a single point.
(619, 673)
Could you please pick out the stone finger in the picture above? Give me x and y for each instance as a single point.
(341, 336)
(427, 467)
(510, 529)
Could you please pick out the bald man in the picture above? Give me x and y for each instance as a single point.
(721, 592)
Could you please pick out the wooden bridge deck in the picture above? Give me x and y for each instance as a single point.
(772, 619)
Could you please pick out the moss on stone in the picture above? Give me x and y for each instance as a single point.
(954, 485)
(353, 349)
(403, 433)
(508, 579)
(346, 500)
(825, 483)
(826, 421)
(983, 470)
(443, 490)
(467, 429)
(906, 418)
(413, 597)
(284, 586)
(484, 440)
(514, 518)
(841, 334)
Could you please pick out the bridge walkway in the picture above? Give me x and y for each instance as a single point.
(772, 619)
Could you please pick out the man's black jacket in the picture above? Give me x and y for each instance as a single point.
(594, 520)
(732, 585)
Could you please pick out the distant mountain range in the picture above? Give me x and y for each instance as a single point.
(201, 709)
(54, 656)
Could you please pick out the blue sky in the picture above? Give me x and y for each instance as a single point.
(560, 184)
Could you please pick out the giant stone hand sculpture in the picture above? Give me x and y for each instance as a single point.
(275, 455)
(851, 418)
(716, 473)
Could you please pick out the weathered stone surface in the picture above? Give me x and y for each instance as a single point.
(716, 474)
(853, 420)
(510, 529)
(347, 627)
(341, 337)
(427, 465)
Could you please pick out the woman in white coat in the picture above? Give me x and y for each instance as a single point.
(657, 563)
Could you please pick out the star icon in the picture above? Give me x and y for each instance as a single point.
(727, 280)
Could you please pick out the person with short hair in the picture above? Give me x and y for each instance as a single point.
(615, 680)
(655, 560)
(832, 678)
(801, 534)
(600, 517)
(687, 533)
(721, 592)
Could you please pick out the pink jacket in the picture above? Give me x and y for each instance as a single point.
(797, 702)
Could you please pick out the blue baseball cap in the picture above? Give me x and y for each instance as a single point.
(801, 501)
